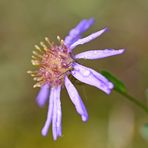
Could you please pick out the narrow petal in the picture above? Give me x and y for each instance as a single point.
(54, 118)
(49, 114)
(98, 54)
(59, 117)
(55, 122)
(43, 95)
(91, 77)
(84, 25)
(88, 38)
(76, 32)
(76, 99)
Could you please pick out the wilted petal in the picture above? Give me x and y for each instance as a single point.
(49, 114)
(75, 98)
(91, 77)
(43, 95)
(76, 32)
(98, 54)
(56, 123)
(88, 38)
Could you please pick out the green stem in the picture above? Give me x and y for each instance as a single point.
(135, 101)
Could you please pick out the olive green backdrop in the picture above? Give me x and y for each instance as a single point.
(113, 121)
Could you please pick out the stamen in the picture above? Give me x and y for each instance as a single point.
(36, 85)
(35, 62)
(47, 40)
(33, 75)
(35, 53)
(34, 78)
(62, 42)
(38, 48)
(33, 57)
(44, 46)
(52, 64)
(58, 38)
(29, 72)
(37, 78)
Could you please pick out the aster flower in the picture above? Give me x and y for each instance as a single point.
(56, 63)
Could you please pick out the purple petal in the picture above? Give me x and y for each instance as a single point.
(88, 38)
(43, 95)
(84, 25)
(59, 117)
(98, 54)
(76, 32)
(49, 114)
(54, 113)
(54, 119)
(56, 123)
(91, 77)
(76, 100)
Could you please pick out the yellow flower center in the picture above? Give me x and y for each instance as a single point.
(53, 63)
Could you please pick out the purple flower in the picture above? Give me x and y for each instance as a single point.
(55, 64)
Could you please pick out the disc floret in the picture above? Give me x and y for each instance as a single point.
(53, 62)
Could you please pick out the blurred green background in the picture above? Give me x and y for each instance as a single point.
(113, 121)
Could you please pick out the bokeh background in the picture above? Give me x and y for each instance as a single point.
(113, 121)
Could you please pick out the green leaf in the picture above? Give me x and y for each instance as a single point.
(118, 84)
(120, 88)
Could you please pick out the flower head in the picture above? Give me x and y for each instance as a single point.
(56, 62)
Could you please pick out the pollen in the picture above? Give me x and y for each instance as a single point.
(53, 63)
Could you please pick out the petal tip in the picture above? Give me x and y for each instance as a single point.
(44, 132)
(84, 118)
(42, 96)
(40, 103)
(108, 91)
(121, 50)
(106, 29)
(60, 134)
(92, 20)
(55, 137)
(110, 85)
